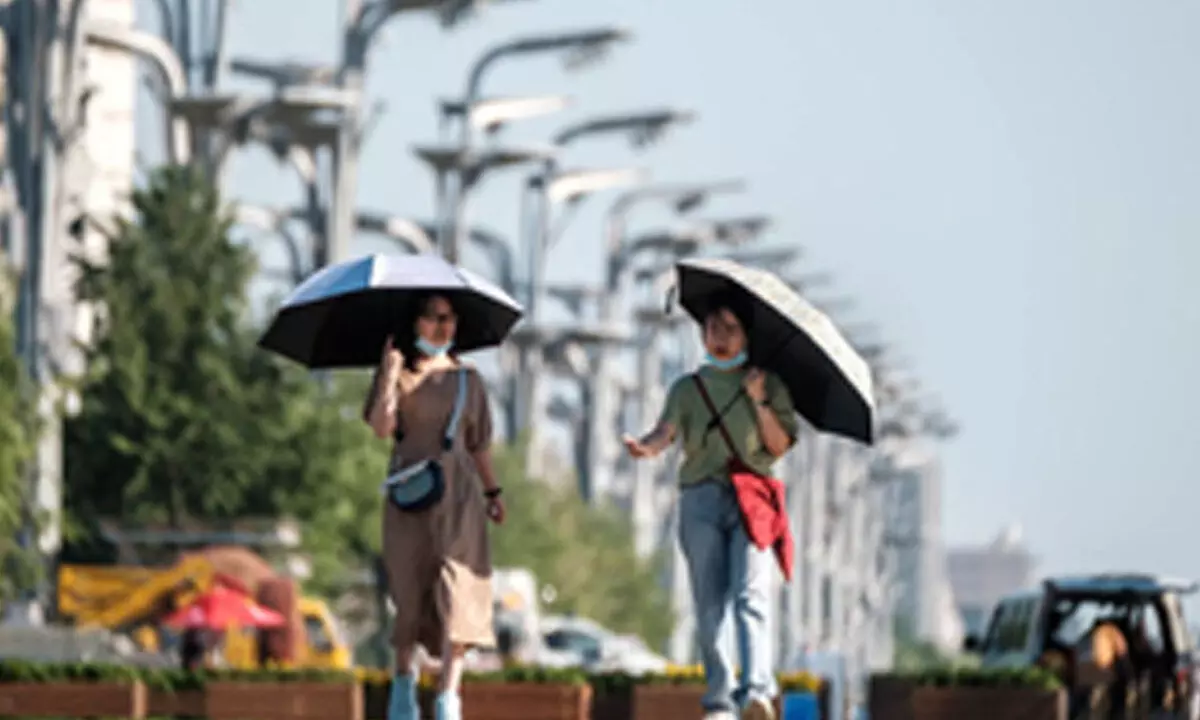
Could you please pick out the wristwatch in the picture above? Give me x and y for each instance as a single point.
(492, 493)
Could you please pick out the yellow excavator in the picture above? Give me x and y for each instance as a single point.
(135, 599)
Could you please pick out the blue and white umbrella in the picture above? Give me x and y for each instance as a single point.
(341, 315)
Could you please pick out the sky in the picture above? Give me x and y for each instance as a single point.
(1007, 189)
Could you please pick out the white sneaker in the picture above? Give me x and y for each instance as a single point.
(719, 715)
(758, 709)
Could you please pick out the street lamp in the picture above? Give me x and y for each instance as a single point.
(162, 56)
(563, 349)
(587, 44)
(590, 44)
(468, 167)
(360, 23)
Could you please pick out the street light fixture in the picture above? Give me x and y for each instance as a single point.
(492, 114)
(591, 44)
(644, 128)
(773, 258)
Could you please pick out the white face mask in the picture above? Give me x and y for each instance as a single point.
(428, 349)
(733, 362)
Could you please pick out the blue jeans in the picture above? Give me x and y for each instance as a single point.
(725, 567)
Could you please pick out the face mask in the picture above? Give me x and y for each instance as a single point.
(430, 350)
(733, 362)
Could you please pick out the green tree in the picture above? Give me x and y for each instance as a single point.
(17, 438)
(585, 553)
(183, 417)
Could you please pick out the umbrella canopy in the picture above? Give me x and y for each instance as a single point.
(341, 316)
(222, 607)
(829, 382)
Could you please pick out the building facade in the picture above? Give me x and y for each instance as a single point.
(981, 575)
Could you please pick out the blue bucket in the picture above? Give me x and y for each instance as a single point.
(800, 706)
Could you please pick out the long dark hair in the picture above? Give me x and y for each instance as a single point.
(406, 332)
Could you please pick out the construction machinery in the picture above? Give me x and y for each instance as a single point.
(134, 599)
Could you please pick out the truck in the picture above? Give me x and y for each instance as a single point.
(134, 599)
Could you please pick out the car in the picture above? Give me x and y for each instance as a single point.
(1116, 630)
(598, 649)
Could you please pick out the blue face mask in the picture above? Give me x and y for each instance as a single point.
(428, 349)
(733, 362)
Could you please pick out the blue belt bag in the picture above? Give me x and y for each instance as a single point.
(421, 485)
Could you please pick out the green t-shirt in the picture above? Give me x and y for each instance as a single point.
(705, 454)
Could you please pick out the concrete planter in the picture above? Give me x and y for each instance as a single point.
(73, 699)
(234, 700)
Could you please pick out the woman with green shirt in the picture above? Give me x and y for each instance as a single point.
(724, 567)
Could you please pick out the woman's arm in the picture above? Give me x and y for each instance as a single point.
(652, 443)
(485, 468)
(663, 434)
(775, 436)
(384, 396)
(382, 413)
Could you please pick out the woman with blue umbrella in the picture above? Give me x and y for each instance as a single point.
(441, 489)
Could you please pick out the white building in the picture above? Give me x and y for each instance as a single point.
(982, 575)
(923, 595)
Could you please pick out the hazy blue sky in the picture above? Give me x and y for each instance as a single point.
(1008, 188)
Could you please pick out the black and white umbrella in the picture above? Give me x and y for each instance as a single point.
(829, 382)
(341, 316)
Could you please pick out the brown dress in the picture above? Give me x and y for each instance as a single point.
(439, 565)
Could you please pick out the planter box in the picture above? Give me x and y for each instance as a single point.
(890, 698)
(982, 703)
(177, 704)
(76, 700)
(284, 701)
(526, 701)
(375, 700)
(664, 702)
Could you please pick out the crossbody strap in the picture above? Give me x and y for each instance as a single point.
(716, 416)
(460, 400)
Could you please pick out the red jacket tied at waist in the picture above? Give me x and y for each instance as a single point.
(764, 512)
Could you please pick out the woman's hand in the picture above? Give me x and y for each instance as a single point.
(636, 448)
(755, 384)
(495, 510)
(391, 361)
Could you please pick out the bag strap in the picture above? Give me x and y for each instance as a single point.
(460, 400)
(716, 416)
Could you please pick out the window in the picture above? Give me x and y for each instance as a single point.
(585, 646)
(1010, 627)
(318, 638)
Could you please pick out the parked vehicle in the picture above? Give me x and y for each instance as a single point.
(1119, 631)
(599, 649)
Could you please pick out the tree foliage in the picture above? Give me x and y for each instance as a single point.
(17, 445)
(183, 417)
(585, 553)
